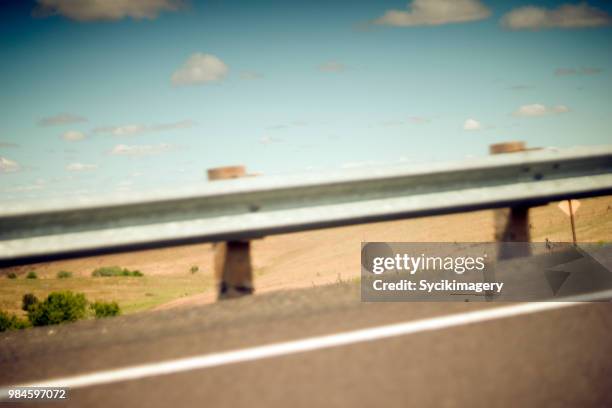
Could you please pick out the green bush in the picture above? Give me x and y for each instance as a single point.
(12, 275)
(28, 301)
(107, 271)
(105, 309)
(11, 322)
(31, 275)
(64, 275)
(194, 269)
(58, 307)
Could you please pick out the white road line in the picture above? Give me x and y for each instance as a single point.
(304, 345)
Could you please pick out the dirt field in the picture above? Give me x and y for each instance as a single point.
(283, 261)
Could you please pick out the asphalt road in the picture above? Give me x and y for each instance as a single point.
(560, 357)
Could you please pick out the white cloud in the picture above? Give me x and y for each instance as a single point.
(200, 69)
(282, 126)
(531, 110)
(537, 109)
(418, 120)
(392, 123)
(183, 124)
(81, 167)
(128, 130)
(435, 12)
(565, 16)
(23, 188)
(332, 66)
(472, 124)
(8, 166)
(251, 75)
(559, 109)
(73, 135)
(124, 185)
(136, 129)
(139, 150)
(266, 140)
(92, 10)
(61, 119)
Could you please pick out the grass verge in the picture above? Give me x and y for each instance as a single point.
(132, 295)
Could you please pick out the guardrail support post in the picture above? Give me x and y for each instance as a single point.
(233, 269)
(511, 224)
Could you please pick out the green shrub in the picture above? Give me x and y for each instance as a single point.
(64, 275)
(105, 309)
(107, 271)
(194, 269)
(11, 322)
(57, 308)
(28, 301)
(31, 275)
(12, 275)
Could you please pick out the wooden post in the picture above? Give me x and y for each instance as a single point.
(571, 211)
(233, 269)
(511, 224)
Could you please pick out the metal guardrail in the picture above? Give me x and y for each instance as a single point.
(254, 207)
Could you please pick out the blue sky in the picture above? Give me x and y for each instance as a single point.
(147, 94)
